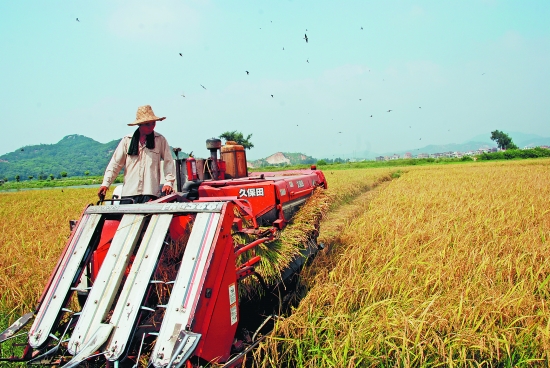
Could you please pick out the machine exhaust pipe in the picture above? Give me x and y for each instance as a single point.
(213, 145)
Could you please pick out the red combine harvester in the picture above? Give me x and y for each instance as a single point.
(158, 284)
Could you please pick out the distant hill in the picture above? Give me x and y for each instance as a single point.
(460, 147)
(74, 154)
(522, 140)
(283, 158)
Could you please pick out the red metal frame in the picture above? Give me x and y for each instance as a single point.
(255, 198)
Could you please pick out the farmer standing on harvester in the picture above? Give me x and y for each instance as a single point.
(140, 154)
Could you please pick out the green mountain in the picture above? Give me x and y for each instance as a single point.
(74, 154)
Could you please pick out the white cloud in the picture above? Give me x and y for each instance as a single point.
(511, 40)
(417, 11)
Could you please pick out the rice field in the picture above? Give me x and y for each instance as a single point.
(442, 266)
(34, 226)
(446, 266)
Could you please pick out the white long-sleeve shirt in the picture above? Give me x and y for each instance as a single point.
(142, 172)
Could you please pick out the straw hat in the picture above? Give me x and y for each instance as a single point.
(145, 115)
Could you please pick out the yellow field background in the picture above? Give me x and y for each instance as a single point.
(34, 229)
(448, 265)
(441, 266)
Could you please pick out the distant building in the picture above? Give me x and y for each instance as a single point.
(380, 158)
(422, 155)
(407, 155)
(394, 157)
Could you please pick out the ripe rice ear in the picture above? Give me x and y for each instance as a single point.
(277, 255)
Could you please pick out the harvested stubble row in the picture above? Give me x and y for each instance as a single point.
(448, 266)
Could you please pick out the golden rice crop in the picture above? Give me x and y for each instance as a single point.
(448, 265)
(345, 185)
(34, 228)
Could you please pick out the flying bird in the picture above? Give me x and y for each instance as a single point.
(283, 49)
(359, 99)
(77, 20)
(183, 95)
(361, 28)
(305, 37)
(371, 116)
(271, 95)
(482, 73)
(419, 107)
(247, 73)
(181, 54)
(307, 60)
(389, 110)
(203, 86)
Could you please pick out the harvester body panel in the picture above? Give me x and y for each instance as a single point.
(187, 287)
(217, 313)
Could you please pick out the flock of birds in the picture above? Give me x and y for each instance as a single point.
(306, 38)
(248, 72)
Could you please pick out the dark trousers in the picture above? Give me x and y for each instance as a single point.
(137, 199)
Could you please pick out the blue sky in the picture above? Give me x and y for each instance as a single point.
(448, 70)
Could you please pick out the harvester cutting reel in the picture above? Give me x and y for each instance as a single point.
(153, 284)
